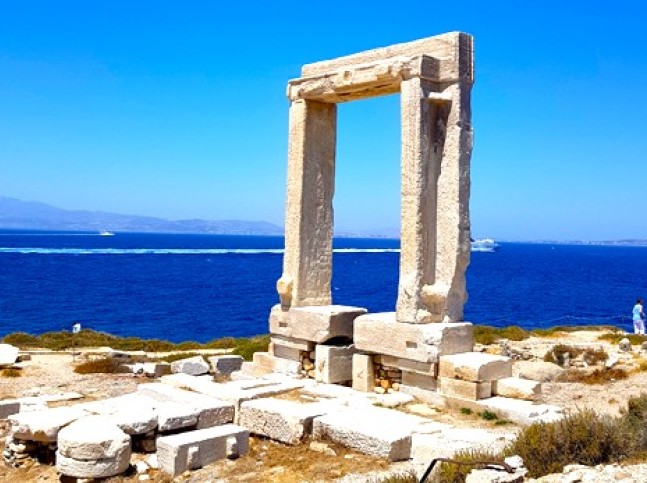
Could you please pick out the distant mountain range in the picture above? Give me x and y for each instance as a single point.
(29, 215)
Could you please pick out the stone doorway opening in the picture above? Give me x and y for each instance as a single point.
(366, 203)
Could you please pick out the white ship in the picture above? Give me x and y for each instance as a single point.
(106, 233)
(484, 245)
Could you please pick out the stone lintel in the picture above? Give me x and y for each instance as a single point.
(454, 47)
(381, 333)
(372, 79)
(316, 323)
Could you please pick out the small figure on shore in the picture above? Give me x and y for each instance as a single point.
(639, 317)
(76, 328)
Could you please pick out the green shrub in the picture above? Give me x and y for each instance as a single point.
(559, 352)
(598, 376)
(21, 339)
(488, 415)
(466, 411)
(616, 337)
(90, 338)
(453, 473)
(104, 365)
(10, 372)
(581, 438)
(247, 346)
(634, 421)
(485, 334)
(595, 356)
(409, 477)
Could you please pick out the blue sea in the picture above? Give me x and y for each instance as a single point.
(202, 287)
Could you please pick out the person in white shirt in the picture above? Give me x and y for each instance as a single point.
(639, 317)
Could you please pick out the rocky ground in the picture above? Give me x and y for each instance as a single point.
(52, 373)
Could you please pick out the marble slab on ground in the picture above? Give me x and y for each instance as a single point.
(448, 440)
(281, 420)
(233, 391)
(212, 411)
(44, 425)
(524, 412)
(519, 411)
(374, 431)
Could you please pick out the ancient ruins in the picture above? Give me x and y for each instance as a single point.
(343, 368)
(415, 347)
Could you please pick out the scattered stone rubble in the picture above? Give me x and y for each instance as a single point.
(193, 425)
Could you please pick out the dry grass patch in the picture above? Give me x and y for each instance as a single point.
(10, 372)
(597, 376)
(486, 335)
(275, 462)
(103, 365)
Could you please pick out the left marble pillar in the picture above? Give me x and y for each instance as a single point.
(307, 263)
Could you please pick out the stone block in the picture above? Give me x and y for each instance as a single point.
(8, 354)
(233, 391)
(415, 379)
(521, 411)
(475, 366)
(517, 388)
(369, 431)
(363, 373)
(425, 368)
(92, 447)
(157, 369)
(210, 411)
(415, 342)
(9, 407)
(536, 370)
(132, 413)
(44, 425)
(464, 389)
(194, 366)
(268, 362)
(281, 420)
(291, 342)
(93, 438)
(83, 469)
(284, 352)
(495, 476)
(334, 364)
(317, 323)
(226, 364)
(195, 449)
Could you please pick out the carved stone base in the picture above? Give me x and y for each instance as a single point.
(382, 334)
(316, 323)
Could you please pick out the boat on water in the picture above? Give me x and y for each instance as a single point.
(487, 245)
(106, 233)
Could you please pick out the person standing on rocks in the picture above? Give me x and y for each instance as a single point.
(639, 317)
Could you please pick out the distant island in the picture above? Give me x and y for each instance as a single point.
(28, 215)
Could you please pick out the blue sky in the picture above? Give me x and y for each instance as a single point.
(178, 109)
